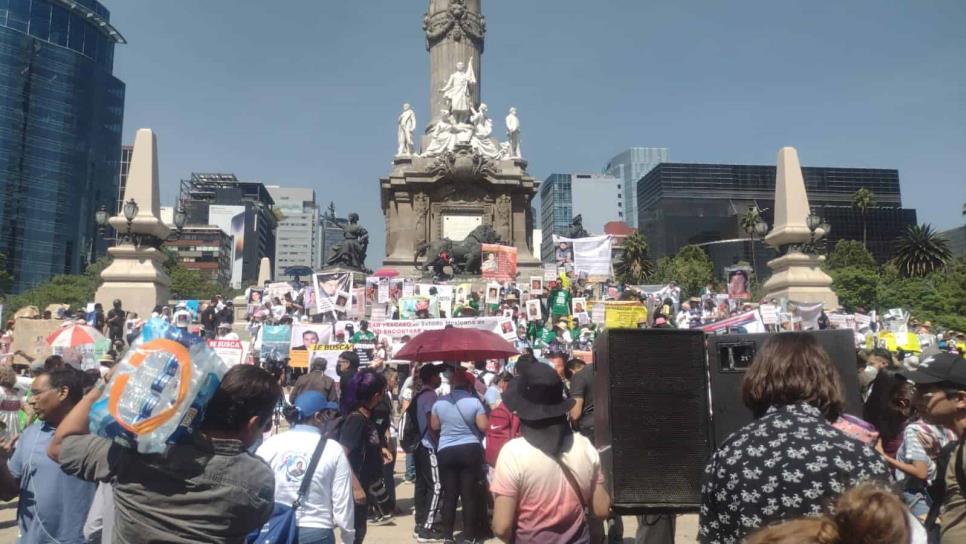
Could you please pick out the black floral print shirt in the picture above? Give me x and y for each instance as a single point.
(789, 463)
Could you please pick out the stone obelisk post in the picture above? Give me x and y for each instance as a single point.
(796, 276)
(136, 275)
(455, 32)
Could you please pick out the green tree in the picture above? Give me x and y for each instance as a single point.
(862, 200)
(634, 267)
(187, 284)
(855, 287)
(920, 251)
(692, 270)
(850, 253)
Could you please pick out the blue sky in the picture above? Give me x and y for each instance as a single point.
(306, 92)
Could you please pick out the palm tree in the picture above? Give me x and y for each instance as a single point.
(748, 222)
(634, 267)
(862, 200)
(920, 251)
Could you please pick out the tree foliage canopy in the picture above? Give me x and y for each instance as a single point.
(850, 254)
(691, 268)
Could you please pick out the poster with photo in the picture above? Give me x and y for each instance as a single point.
(382, 295)
(739, 282)
(507, 330)
(309, 334)
(358, 307)
(372, 288)
(578, 305)
(309, 300)
(279, 290)
(583, 318)
(499, 262)
(333, 291)
(534, 311)
(256, 297)
(536, 286)
(461, 294)
(508, 313)
(408, 287)
(492, 293)
(330, 354)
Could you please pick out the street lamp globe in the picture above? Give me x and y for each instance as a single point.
(101, 216)
(813, 221)
(761, 228)
(826, 227)
(130, 210)
(180, 218)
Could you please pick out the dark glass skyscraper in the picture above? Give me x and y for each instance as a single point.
(681, 203)
(61, 112)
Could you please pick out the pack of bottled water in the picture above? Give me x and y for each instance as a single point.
(158, 393)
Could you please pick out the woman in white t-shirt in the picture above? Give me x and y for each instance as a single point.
(329, 501)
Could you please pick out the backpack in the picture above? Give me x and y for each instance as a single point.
(937, 489)
(410, 437)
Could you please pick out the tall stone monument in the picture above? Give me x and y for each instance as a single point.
(464, 185)
(136, 275)
(796, 275)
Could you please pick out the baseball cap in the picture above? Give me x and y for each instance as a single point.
(311, 402)
(941, 367)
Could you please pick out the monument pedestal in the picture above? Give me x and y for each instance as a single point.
(428, 199)
(799, 277)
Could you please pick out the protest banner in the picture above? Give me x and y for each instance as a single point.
(333, 292)
(597, 312)
(747, 322)
(276, 340)
(536, 286)
(769, 314)
(410, 307)
(231, 352)
(278, 290)
(549, 272)
(591, 255)
(396, 329)
(620, 314)
(408, 287)
(499, 262)
(308, 334)
(330, 354)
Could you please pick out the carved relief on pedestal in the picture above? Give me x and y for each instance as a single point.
(421, 211)
(503, 210)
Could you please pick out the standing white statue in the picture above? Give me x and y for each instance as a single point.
(513, 134)
(458, 91)
(404, 134)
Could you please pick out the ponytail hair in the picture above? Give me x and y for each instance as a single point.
(866, 514)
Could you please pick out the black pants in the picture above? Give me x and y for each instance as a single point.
(361, 512)
(461, 469)
(389, 480)
(428, 488)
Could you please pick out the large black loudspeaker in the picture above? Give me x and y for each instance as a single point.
(651, 416)
(730, 355)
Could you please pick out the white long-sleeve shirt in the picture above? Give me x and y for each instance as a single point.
(328, 503)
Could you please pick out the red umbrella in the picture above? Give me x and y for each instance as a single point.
(386, 272)
(453, 344)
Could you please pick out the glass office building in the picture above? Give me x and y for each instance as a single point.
(556, 211)
(61, 112)
(630, 166)
(680, 204)
(597, 198)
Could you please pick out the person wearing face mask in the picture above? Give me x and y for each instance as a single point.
(348, 365)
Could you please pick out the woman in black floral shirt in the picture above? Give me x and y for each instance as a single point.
(789, 461)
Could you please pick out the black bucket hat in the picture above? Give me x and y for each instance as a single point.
(537, 392)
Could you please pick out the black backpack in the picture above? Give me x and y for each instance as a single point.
(410, 437)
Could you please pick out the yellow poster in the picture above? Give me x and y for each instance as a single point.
(623, 314)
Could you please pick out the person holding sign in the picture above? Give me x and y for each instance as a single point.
(559, 301)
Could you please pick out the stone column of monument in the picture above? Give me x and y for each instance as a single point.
(264, 271)
(796, 276)
(136, 275)
(454, 33)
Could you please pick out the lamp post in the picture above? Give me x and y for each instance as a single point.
(758, 231)
(130, 211)
(814, 223)
(180, 218)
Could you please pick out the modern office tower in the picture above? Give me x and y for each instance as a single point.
(298, 235)
(242, 209)
(630, 166)
(61, 112)
(597, 198)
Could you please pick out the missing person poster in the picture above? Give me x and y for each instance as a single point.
(590, 255)
(333, 292)
(493, 293)
(534, 311)
(499, 262)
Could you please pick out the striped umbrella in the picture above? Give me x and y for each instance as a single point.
(73, 335)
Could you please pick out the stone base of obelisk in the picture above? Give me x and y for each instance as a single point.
(426, 199)
(137, 278)
(799, 277)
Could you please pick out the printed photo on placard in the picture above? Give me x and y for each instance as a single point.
(255, 296)
(493, 293)
(534, 312)
(305, 335)
(579, 305)
(536, 285)
(382, 295)
(328, 287)
(508, 313)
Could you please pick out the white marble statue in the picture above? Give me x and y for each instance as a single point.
(482, 129)
(513, 134)
(458, 91)
(444, 136)
(404, 134)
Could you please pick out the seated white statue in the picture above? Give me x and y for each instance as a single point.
(444, 135)
(481, 141)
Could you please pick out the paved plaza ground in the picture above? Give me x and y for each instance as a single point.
(400, 531)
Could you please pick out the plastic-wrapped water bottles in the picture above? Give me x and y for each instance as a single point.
(159, 391)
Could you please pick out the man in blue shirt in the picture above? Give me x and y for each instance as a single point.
(53, 506)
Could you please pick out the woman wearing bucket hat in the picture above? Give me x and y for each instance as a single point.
(546, 480)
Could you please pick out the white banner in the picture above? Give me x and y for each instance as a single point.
(396, 329)
(591, 255)
(231, 352)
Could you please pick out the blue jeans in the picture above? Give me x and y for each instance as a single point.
(918, 502)
(315, 535)
(410, 466)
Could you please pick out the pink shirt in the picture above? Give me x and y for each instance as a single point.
(548, 509)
